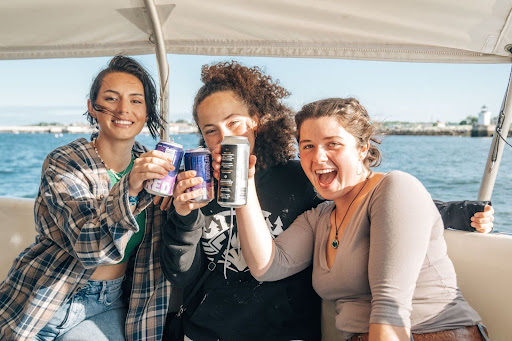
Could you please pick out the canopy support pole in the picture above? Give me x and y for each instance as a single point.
(163, 67)
(497, 145)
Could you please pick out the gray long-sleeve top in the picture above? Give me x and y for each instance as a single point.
(391, 266)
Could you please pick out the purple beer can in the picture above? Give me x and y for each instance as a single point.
(200, 160)
(164, 187)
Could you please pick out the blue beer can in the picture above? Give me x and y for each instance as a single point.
(200, 160)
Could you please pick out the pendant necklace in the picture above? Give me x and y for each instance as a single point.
(116, 175)
(335, 241)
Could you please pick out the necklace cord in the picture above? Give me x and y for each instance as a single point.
(117, 175)
(335, 241)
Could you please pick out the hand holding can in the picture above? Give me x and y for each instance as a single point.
(164, 187)
(200, 161)
(233, 171)
(150, 165)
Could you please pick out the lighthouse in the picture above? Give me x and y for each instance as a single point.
(484, 126)
(484, 117)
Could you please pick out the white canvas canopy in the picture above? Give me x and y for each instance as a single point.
(393, 30)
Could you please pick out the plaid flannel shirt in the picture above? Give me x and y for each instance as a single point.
(81, 224)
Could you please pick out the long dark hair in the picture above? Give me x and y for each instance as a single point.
(130, 66)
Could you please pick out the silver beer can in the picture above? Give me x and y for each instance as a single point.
(234, 167)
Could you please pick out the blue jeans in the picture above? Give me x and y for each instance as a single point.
(95, 298)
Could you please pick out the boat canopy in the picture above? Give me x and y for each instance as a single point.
(393, 30)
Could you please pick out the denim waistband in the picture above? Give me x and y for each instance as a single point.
(95, 287)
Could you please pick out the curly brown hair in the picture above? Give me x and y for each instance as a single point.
(352, 116)
(275, 140)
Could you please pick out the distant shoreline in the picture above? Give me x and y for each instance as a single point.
(420, 129)
(439, 130)
(464, 130)
(174, 128)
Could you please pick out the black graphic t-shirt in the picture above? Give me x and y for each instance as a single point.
(231, 304)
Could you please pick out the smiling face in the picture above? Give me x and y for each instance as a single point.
(224, 114)
(122, 95)
(330, 156)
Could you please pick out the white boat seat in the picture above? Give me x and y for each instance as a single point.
(484, 274)
(16, 231)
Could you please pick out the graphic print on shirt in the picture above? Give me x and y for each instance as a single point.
(215, 234)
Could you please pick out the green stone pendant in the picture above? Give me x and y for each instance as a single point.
(335, 243)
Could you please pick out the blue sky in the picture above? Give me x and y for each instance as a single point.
(55, 90)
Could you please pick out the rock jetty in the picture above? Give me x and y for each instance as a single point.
(406, 128)
(394, 128)
(174, 128)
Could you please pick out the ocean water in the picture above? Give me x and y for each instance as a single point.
(450, 167)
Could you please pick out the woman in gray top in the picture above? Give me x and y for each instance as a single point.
(391, 278)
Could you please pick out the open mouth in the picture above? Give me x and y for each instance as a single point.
(326, 176)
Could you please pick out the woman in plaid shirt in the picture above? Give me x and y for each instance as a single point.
(98, 231)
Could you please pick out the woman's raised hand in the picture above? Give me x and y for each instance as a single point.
(150, 165)
(217, 157)
(182, 203)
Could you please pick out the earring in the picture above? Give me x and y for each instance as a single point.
(359, 169)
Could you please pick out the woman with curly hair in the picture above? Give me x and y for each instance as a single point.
(242, 101)
(231, 305)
